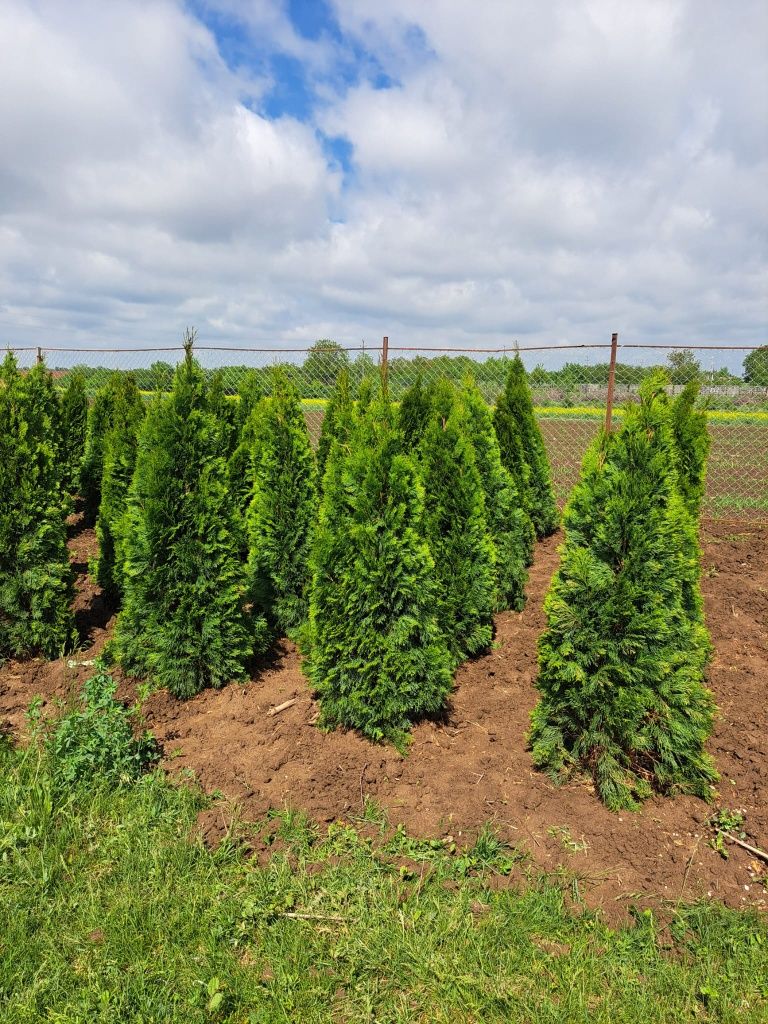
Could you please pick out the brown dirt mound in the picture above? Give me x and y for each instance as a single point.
(474, 767)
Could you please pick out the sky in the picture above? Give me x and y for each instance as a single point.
(446, 173)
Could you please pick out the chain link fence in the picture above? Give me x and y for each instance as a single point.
(570, 401)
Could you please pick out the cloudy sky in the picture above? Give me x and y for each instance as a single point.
(444, 172)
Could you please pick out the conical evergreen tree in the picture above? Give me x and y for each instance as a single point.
(414, 413)
(239, 466)
(283, 508)
(240, 474)
(523, 452)
(249, 394)
(378, 659)
(456, 528)
(120, 447)
(99, 424)
(692, 439)
(508, 522)
(35, 572)
(74, 420)
(225, 411)
(621, 660)
(183, 622)
(337, 421)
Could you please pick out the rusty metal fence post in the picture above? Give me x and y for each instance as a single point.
(611, 382)
(384, 362)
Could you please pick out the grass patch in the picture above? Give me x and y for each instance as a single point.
(111, 910)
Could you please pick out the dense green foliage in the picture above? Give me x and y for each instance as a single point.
(249, 394)
(456, 528)
(94, 743)
(283, 509)
(99, 425)
(337, 421)
(119, 461)
(623, 655)
(756, 367)
(225, 410)
(509, 524)
(522, 447)
(35, 572)
(377, 657)
(692, 445)
(413, 414)
(112, 909)
(73, 425)
(240, 464)
(183, 621)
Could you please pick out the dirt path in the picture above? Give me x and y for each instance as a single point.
(474, 767)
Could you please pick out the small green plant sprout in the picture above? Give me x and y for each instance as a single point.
(95, 743)
(563, 834)
(726, 822)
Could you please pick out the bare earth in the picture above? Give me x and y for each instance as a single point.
(474, 767)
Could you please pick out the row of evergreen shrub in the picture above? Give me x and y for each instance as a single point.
(385, 554)
(40, 444)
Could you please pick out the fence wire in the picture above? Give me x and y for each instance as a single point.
(569, 401)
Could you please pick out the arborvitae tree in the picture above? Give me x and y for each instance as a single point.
(283, 508)
(35, 571)
(456, 528)
(691, 446)
(377, 657)
(336, 422)
(414, 413)
(365, 395)
(223, 408)
(621, 660)
(509, 524)
(99, 423)
(73, 421)
(692, 440)
(120, 447)
(248, 410)
(523, 452)
(183, 621)
(249, 394)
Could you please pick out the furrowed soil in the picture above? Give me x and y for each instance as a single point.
(472, 767)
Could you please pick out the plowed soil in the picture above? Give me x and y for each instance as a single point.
(474, 767)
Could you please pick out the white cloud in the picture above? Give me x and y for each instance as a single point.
(540, 170)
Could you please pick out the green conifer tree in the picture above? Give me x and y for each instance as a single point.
(523, 452)
(456, 528)
(377, 658)
(249, 394)
(99, 424)
(622, 660)
(74, 420)
(337, 421)
(224, 409)
(509, 524)
(414, 413)
(283, 508)
(692, 440)
(120, 447)
(183, 621)
(35, 572)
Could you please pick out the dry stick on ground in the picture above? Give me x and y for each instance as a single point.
(687, 870)
(746, 846)
(282, 707)
(362, 798)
